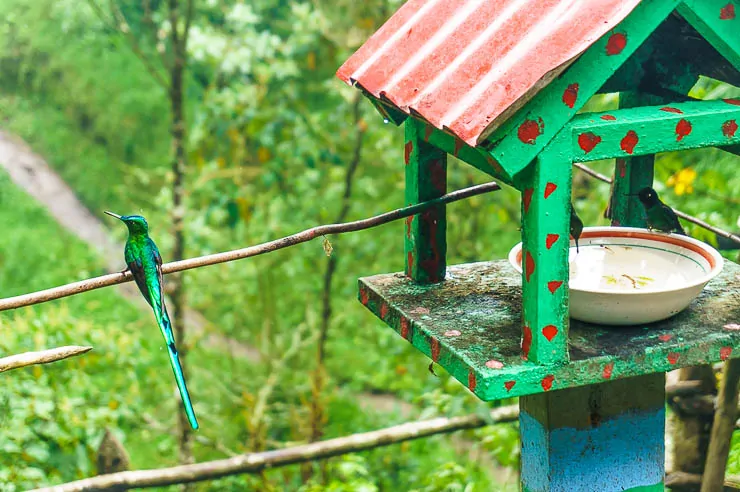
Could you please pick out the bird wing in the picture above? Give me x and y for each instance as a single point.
(137, 270)
(673, 219)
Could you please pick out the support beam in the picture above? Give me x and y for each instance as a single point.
(606, 437)
(425, 242)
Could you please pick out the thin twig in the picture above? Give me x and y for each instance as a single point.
(685, 216)
(239, 254)
(41, 357)
(257, 462)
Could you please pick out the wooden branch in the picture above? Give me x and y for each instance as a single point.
(685, 216)
(257, 462)
(41, 357)
(722, 428)
(239, 254)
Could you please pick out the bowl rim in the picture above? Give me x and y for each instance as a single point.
(713, 257)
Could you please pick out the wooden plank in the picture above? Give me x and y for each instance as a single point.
(470, 324)
(545, 238)
(527, 133)
(649, 130)
(425, 241)
(630, 176)
(719, 22)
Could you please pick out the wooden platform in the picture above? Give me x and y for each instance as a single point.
(470, 325)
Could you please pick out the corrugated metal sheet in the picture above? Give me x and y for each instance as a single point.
(464, 65)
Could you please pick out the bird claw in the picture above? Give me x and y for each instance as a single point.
(124, 271)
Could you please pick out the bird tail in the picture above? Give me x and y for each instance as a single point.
(164, 324)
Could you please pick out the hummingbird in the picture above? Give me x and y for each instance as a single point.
(576, 225)
(145, 263)
(659, 215)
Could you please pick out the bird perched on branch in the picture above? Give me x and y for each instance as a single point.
(576, 225)
(145, 263)
(660, 216)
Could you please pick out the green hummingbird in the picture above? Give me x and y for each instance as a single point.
(576, 225)
(145, 263)
(659, 215)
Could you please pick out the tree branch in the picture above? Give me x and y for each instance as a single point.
(257, 462)
(685, 216)
(41, 357)
(214, 259)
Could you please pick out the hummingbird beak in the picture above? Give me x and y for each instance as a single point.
(113, 215)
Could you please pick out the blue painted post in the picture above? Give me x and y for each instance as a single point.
(605, 437)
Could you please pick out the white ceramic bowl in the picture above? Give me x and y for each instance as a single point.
(630, 276)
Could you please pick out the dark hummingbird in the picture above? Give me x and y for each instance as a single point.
(145, 263)
(660, 216)
(576, 225)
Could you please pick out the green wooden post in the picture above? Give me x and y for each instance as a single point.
(545, 238)
(425, 242)
(630, 175)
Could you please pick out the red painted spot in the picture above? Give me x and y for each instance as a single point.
(509, 384)
(665, 338)
(629, 142)
(608, 117)
(452, 333)
(530, 130)
(547, 382)
(409, 263)
(587, 141)
(458, 145)
(550, 188)
(551, 239)
(725, 352)
(494, 364)
(669, 109)
(528, 265)
(550, 331)
(673, 357)
(527, 198)
(438, 175)
(554, 285)
(570, 95)
(405, 328)
(729, 128)
(616, 44)
(622, 167)
(607, 372)
(494, 164)
(727, 12)
(734, 102)
(383, 311)
(363, 297)
(526, 341)
(409, 221)
(471, 380)
(408, 148)
(428, 132)
(435, 349)
(683, 128)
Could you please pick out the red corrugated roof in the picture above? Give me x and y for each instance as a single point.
(465, 65)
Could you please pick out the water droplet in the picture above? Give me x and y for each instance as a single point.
(386, 120)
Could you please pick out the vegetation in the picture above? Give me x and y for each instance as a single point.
(271, 135)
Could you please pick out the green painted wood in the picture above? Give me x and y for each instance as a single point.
(387, 111)
(476, 157)
(546, 242)
(653, 129)
(630, 176)
(719, 22)
(470, 324)
(527, 133)
(425, 241)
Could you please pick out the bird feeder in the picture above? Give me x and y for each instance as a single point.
(499, 84)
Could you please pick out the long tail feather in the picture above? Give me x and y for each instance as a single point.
(164, 324)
